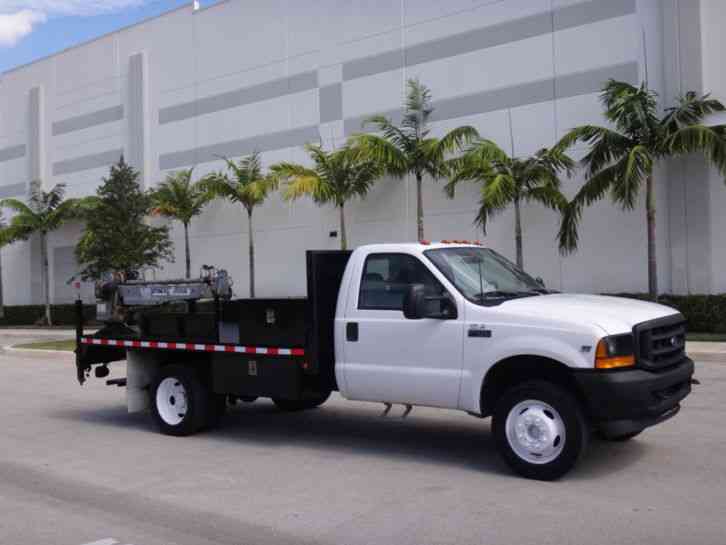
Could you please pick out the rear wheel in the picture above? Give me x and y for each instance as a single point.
(290, 405)
(540, 430)
(180, 402)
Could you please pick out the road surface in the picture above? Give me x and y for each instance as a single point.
(76, 469)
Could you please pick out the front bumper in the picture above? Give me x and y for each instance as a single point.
(627, 401)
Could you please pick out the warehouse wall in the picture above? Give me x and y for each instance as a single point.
(270, 75)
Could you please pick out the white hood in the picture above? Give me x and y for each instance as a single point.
(612, 314)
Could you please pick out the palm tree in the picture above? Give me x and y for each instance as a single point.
(179, 198)
(622, 159)
(44, 213)
(244, 183)
(511, 181)
(408, 148)
(337, 177)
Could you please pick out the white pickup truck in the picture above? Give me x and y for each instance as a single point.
(451, 325)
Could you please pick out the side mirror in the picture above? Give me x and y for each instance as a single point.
(540, 281)
(417, 305)
(414, 302)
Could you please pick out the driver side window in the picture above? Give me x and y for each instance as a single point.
(387, 277)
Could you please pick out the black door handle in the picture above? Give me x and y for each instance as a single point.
(351, 331)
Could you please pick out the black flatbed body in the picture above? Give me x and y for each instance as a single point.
(274, 347)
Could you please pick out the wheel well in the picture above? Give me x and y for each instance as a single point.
(518, 369)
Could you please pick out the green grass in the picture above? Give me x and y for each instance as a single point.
(707, 337)
(66, 346)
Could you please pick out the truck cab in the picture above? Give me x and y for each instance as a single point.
(453, 325)
(457, 326)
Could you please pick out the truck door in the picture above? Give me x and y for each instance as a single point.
(391, 358)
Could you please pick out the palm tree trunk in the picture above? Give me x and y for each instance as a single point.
(650, 216)
(343, 235)
(252, 253)
(186, 249)
(518, 233)
(45, 277)
(2, 301)
(419, 207)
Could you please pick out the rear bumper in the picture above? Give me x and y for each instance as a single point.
(628, 401)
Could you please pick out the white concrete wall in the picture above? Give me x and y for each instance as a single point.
(520, 71)
(713, 21)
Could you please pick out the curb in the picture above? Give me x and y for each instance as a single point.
(11, 348)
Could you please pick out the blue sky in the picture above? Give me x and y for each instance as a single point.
(32, 29)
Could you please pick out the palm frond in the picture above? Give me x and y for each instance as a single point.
(17, 206)
(711, 141)
(549, 196)
(690, 110)
(374, 148)
(457, 139)
(417, 108)
(568, 235)
(634, 170)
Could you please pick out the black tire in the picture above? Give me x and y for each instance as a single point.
(291, 405)
(569, 411)
(620, 438)
(197, 412)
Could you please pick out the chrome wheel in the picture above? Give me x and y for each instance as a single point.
(171, 401)
(535, 431)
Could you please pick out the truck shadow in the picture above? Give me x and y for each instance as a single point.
(444, 439)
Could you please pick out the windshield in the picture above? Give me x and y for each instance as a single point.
(481, 274)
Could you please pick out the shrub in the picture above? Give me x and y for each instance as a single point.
(705, 313)
(28, 315)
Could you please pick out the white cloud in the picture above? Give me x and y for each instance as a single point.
(67, 7)
(16, 26)
(18, 17)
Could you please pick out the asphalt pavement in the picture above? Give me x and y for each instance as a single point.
(76, 469)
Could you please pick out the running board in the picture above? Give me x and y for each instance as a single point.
(120, 382)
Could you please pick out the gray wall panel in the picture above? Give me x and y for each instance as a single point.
(237, 148)
(13, 190)
(136, 113)
(239, 97)
(72, 124)
(481, 38)
(87, 162)
(591, 12)
(331, 103)
(490, 36)
(13, 152)
(568, 85)
(374, 64)
(35, 134)
(592, 81)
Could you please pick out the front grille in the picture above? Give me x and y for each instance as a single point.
(661, 343)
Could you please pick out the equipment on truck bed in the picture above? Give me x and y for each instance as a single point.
(119, 295)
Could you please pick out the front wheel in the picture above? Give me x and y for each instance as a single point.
(540, 430)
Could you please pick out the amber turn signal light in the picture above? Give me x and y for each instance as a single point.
(604, 359)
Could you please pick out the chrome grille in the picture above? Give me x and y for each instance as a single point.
(661, 343)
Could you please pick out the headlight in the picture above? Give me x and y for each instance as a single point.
(615, 351)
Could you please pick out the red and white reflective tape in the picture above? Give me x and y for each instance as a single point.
(192, 347)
